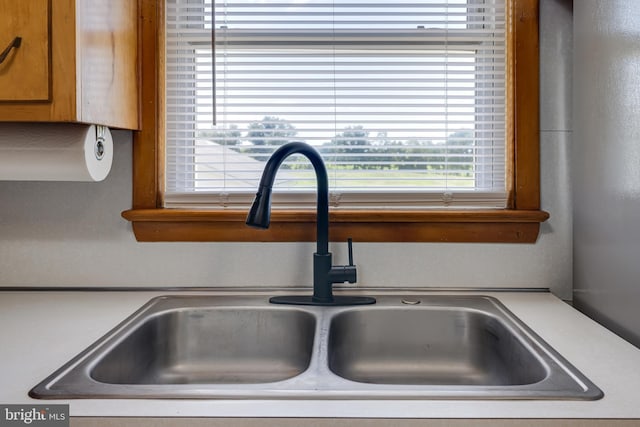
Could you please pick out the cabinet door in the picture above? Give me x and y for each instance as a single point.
(25, 72)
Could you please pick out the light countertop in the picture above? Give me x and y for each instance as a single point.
(41, 330)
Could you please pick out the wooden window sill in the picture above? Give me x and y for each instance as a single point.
(489, 226)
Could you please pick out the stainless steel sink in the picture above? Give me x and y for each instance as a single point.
(211, 345)
(428, 346)
(405, 347)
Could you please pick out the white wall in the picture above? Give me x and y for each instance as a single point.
(606, 160)
(71, 234)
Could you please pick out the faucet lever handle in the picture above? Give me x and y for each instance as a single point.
(350, 248)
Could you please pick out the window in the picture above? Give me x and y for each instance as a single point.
(417, 107)
(405, 100)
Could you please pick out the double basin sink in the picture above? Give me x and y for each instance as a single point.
(403, 347)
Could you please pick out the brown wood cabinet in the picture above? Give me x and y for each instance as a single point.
(77, 61)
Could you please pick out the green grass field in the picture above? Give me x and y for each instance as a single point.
(359, 178)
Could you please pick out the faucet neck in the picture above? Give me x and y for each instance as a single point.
(269, 175)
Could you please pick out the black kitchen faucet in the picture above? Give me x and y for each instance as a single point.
(324, 273)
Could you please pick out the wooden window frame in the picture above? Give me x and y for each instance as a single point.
(518, 223)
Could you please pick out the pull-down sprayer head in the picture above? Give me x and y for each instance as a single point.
(260, 213)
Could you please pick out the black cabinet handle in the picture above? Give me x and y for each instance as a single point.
(15, 43)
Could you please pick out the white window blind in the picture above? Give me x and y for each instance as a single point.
(404, 99)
